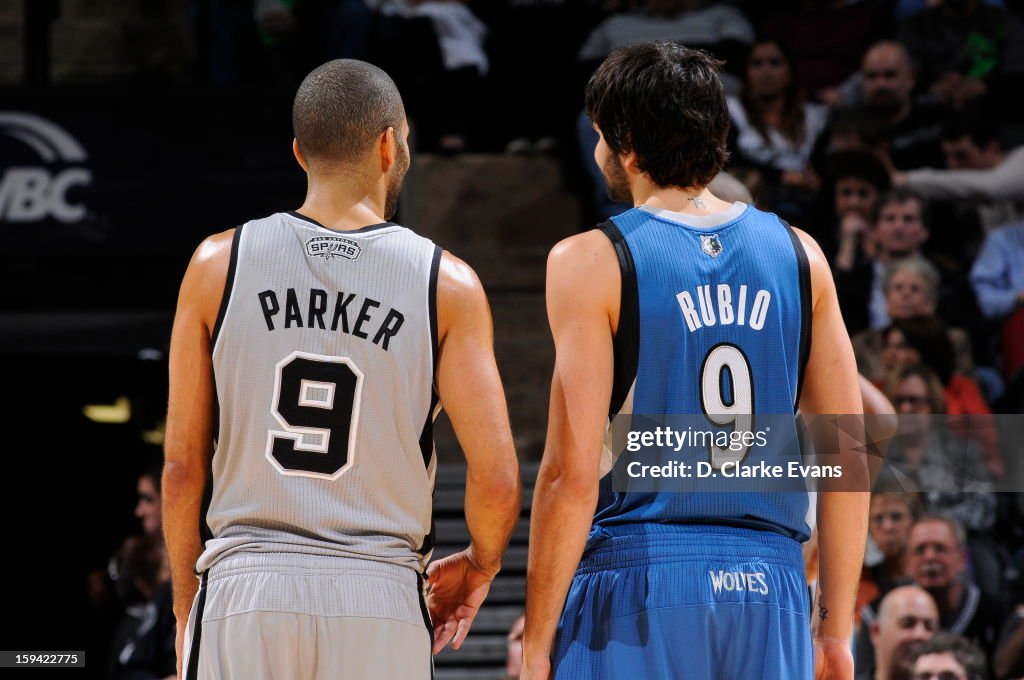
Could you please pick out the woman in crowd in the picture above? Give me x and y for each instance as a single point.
(774, 129)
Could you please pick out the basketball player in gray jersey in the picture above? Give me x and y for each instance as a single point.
(309, 355)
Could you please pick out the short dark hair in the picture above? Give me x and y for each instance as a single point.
(955, 527)
(341, 107)
(929, 335)
(863, 165)
(867, 125)
(667, 104)
(902, 195)
(980, 129)
(967, 654)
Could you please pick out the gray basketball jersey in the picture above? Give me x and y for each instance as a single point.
(323, 354)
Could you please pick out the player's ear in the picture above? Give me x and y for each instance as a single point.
(298, 155)
(630, 162)
(873, 633)
(388, 144)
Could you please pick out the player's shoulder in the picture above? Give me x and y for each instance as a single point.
(821, 272)
(584, 266)
(459, 290)
(589, 249)
(215, 246)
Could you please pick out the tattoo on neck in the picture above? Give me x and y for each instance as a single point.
(822, 612)
(699, 202)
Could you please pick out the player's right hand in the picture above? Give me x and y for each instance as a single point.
(457, 588)
(833, 660)
(179, 643)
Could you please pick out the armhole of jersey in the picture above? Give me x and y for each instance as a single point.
(229, 286)
(427, 433)
(435, 267)
(804, 274)
(626, 344)
(205, 533)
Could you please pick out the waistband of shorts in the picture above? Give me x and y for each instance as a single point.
(643, 543)
(309, 565)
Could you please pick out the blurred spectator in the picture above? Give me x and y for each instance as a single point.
(138, 570)
(720, 29)
(911, 289)
(978, 171)
(899, 231)
(890, 518)
(949, 657)
(998, 280)
(264, 42)
(907, 617)
(924, 456)
(938, 563)
(1009, 660)
(888, 79)
(828, 37)
(925, 339)
(854, 129)
(148, 507)
(460, 38)
(959, 47)
(774, 129)
(726, 187)
(150, 653)
(857, 179)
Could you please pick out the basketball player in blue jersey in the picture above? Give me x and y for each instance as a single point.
(649, 313)
(310, 352)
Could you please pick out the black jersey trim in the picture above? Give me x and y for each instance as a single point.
(426, 617)
(192, 672)
(360, 230)
(626, 344)
(804, 274)
(435, 268)
(229, 285)
(427, 432)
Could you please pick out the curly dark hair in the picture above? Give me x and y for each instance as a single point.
(666, 103)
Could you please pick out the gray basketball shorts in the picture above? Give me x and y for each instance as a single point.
(263, 617)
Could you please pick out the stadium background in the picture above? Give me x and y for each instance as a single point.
(178, 113)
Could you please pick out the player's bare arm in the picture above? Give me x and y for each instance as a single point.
(189, 442)
(583, 289)
(470, 389)
(831, 386)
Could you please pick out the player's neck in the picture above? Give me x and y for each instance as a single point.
(685, 201)
(342, 210)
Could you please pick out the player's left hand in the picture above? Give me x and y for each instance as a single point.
(833, 660)
(457, 588)
(536, 669)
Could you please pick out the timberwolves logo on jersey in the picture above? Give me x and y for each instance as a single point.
(330, 247)
(710, 244)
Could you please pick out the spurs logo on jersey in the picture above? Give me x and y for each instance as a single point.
(330, 247)
(324, 364)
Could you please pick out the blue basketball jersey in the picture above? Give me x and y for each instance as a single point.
(715, 318)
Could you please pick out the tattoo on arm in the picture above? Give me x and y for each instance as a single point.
(822, 612)
(699, 202)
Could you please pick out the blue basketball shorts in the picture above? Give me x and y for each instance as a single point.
(687, 602)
